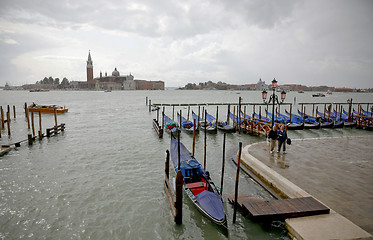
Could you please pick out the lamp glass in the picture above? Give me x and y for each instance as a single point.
(274, 83)
(283, 95)
(264, 95)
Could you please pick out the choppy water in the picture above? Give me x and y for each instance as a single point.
(103, 177)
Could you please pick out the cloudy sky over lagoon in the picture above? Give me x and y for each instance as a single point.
(322, 42)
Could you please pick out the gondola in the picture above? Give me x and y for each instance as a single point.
(198, 185)
(294, 124)
(339, 124)
(185, 124)
(314, 125)
(169, 124)
(225, 127)
(307, 118)
(204, 125)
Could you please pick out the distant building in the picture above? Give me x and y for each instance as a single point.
(115, 81)
(261, 85)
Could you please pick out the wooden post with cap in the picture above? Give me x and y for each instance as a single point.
(179, 188)
(204, 153)
(40, 131)
(2, 118)
(8, 120)
(223, 165)
(236, 185)
(55, 116)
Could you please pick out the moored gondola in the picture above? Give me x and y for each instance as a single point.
(198, 185)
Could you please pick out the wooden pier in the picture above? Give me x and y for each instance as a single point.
(54, 130)
(269, 210)
(158, 128)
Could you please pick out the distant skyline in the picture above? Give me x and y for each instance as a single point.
(297, 42)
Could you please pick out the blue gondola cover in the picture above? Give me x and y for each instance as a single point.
(212, 204)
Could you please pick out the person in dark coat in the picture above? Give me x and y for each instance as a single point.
(282, 136)
(272, 135)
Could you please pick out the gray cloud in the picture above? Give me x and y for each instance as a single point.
(309, 42)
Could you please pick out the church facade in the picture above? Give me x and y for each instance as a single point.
(116, 81)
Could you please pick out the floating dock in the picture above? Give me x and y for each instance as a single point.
(270, 210)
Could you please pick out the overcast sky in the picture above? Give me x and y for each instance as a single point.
(323, 42)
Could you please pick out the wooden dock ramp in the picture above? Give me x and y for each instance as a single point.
(269, 210)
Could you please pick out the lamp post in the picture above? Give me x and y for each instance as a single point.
(273, 98)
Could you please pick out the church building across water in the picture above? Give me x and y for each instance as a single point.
(116, 81)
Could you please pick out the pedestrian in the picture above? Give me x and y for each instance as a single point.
(282, 136)
(272, 135)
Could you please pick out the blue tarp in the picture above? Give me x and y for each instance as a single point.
(212, 204)
(184, 123)
(170, 124)
(188, 165)
(210, 119)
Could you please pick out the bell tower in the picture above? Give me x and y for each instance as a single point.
(89, 68)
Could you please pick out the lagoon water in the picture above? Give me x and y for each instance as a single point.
(103, 177)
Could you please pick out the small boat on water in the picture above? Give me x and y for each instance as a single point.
(39, 90)
(318, 95)
(209, 126)
(314, 125)
(169, 124)
(225, 127)
(198, 185)
(46, 108)
(186, 124)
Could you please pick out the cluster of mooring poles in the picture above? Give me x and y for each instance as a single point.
(30, 126)
(260, 124)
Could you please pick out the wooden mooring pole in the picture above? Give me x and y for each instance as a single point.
(32, 124)
(8, 120)
(27, 116)
(14, 111)
(55, 116)
(204, 152)
(150, 105)
(239, 114)
(236, 184)
(222, 166)
(2, 118)
(228, 111)
(194, 137)
(179, 188)
(40, 131)
(30, 140)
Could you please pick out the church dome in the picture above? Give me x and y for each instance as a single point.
(115, 73)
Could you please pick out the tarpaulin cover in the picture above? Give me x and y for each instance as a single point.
(212, 204)
(184, 123)
(187, 162)
(211, 119)
(170, 124)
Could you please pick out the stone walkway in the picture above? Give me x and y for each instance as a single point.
(337, 171)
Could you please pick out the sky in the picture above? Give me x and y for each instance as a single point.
(312, 42)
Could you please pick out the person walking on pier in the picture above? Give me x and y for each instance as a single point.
(272, 135)
(282, 136)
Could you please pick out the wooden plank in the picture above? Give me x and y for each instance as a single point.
(285, 208)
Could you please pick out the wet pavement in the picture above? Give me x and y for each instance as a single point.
(337, 171)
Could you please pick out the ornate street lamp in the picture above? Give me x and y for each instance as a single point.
(273, 98)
